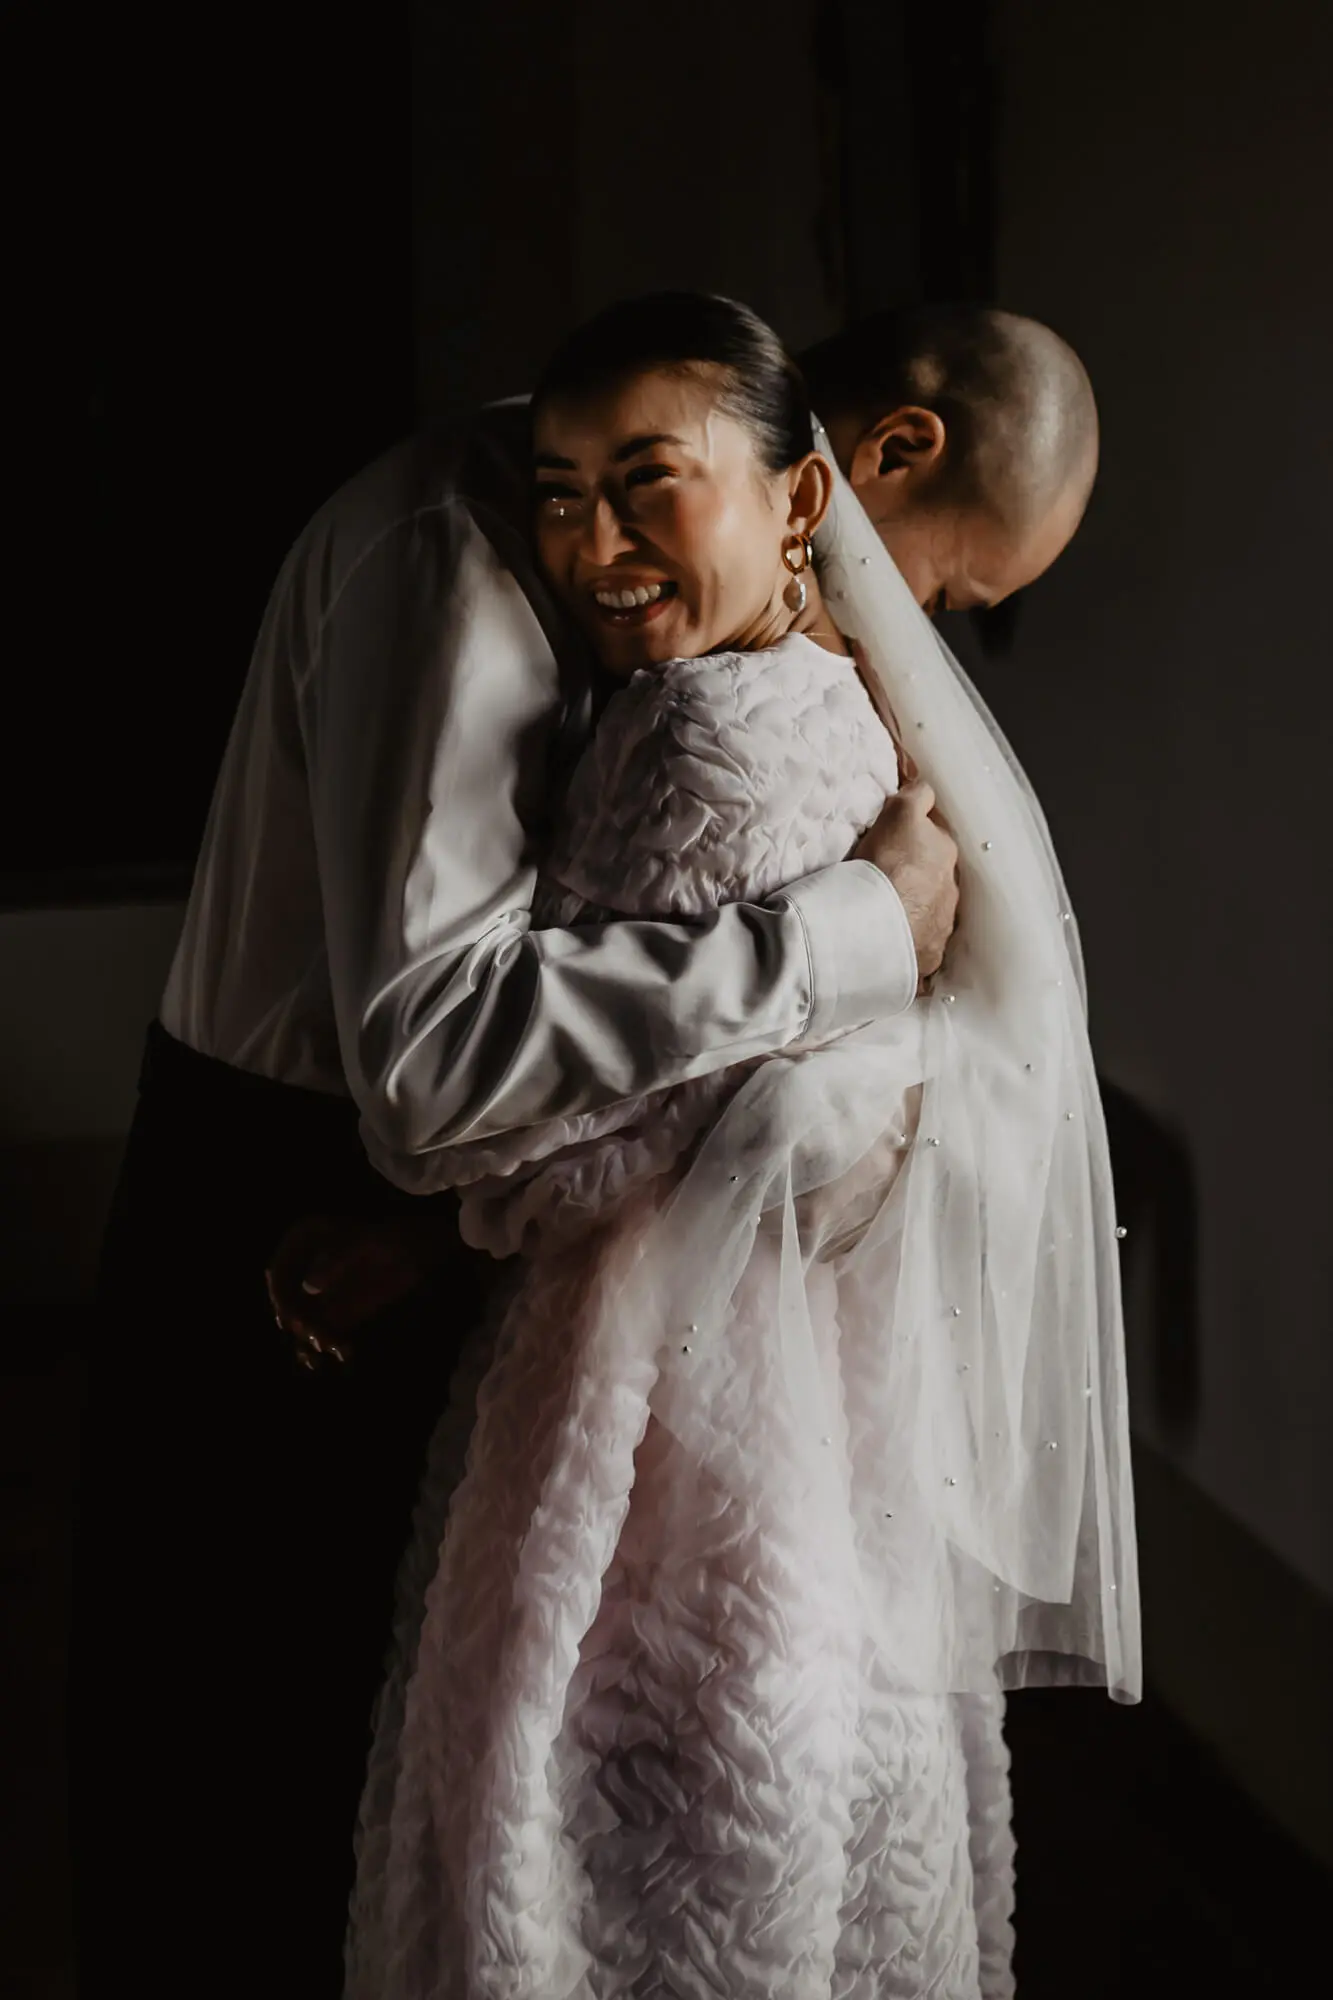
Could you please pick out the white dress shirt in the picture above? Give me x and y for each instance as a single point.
(360, 919)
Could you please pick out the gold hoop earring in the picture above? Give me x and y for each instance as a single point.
(797, 554)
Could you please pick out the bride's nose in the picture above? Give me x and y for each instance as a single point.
(605, 534)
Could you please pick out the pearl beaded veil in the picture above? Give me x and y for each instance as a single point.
(948, 1173)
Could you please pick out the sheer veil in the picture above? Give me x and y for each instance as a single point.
(940, 1186)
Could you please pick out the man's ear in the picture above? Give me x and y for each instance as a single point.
(811, 493)
(898, 448)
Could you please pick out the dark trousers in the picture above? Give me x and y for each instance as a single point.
(239, 1528)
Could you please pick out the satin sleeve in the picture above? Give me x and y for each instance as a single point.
(427, 697)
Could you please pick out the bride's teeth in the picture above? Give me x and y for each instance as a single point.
(629, 600)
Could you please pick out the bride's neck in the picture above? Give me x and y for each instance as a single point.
(815, 621)
(777, 622)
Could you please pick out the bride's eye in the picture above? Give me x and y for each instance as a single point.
(553, 498)
(647, 475)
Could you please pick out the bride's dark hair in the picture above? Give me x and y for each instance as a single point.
(761, 386)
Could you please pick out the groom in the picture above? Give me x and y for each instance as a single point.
(357, 986)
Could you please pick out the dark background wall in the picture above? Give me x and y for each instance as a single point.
(1161, 176)
(228, 273)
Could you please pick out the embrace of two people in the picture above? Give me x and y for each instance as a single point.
(738, 1396)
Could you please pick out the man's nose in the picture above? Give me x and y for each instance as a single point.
(605, 534)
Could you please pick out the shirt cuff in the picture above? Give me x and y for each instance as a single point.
(862, 953)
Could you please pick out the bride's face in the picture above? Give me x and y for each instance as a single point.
(648, 492)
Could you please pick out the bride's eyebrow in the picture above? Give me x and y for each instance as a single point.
(547, 461)
(635, 445)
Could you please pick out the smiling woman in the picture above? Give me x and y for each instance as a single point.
(678, 484)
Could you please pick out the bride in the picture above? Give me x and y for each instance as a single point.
(801, 1433)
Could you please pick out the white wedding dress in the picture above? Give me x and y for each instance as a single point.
(650, 1730)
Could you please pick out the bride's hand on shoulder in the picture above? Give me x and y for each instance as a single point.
(920, 858)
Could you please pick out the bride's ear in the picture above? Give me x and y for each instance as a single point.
(897, 449)
(811, 493)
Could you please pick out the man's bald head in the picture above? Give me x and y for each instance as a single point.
(953, 418)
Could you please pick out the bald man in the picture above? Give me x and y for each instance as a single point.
(357, 986)
(970, 438)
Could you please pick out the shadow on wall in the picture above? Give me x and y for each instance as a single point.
(1157, 1203)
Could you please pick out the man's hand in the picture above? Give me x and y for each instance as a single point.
(921, 861)
(328, 1276)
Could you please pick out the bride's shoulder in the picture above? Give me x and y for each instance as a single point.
(793, 669)
(743, 704)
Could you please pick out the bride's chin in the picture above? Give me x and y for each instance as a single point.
(624, 653)
(624, 646)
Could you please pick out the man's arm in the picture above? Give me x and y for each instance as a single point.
(427, 695)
